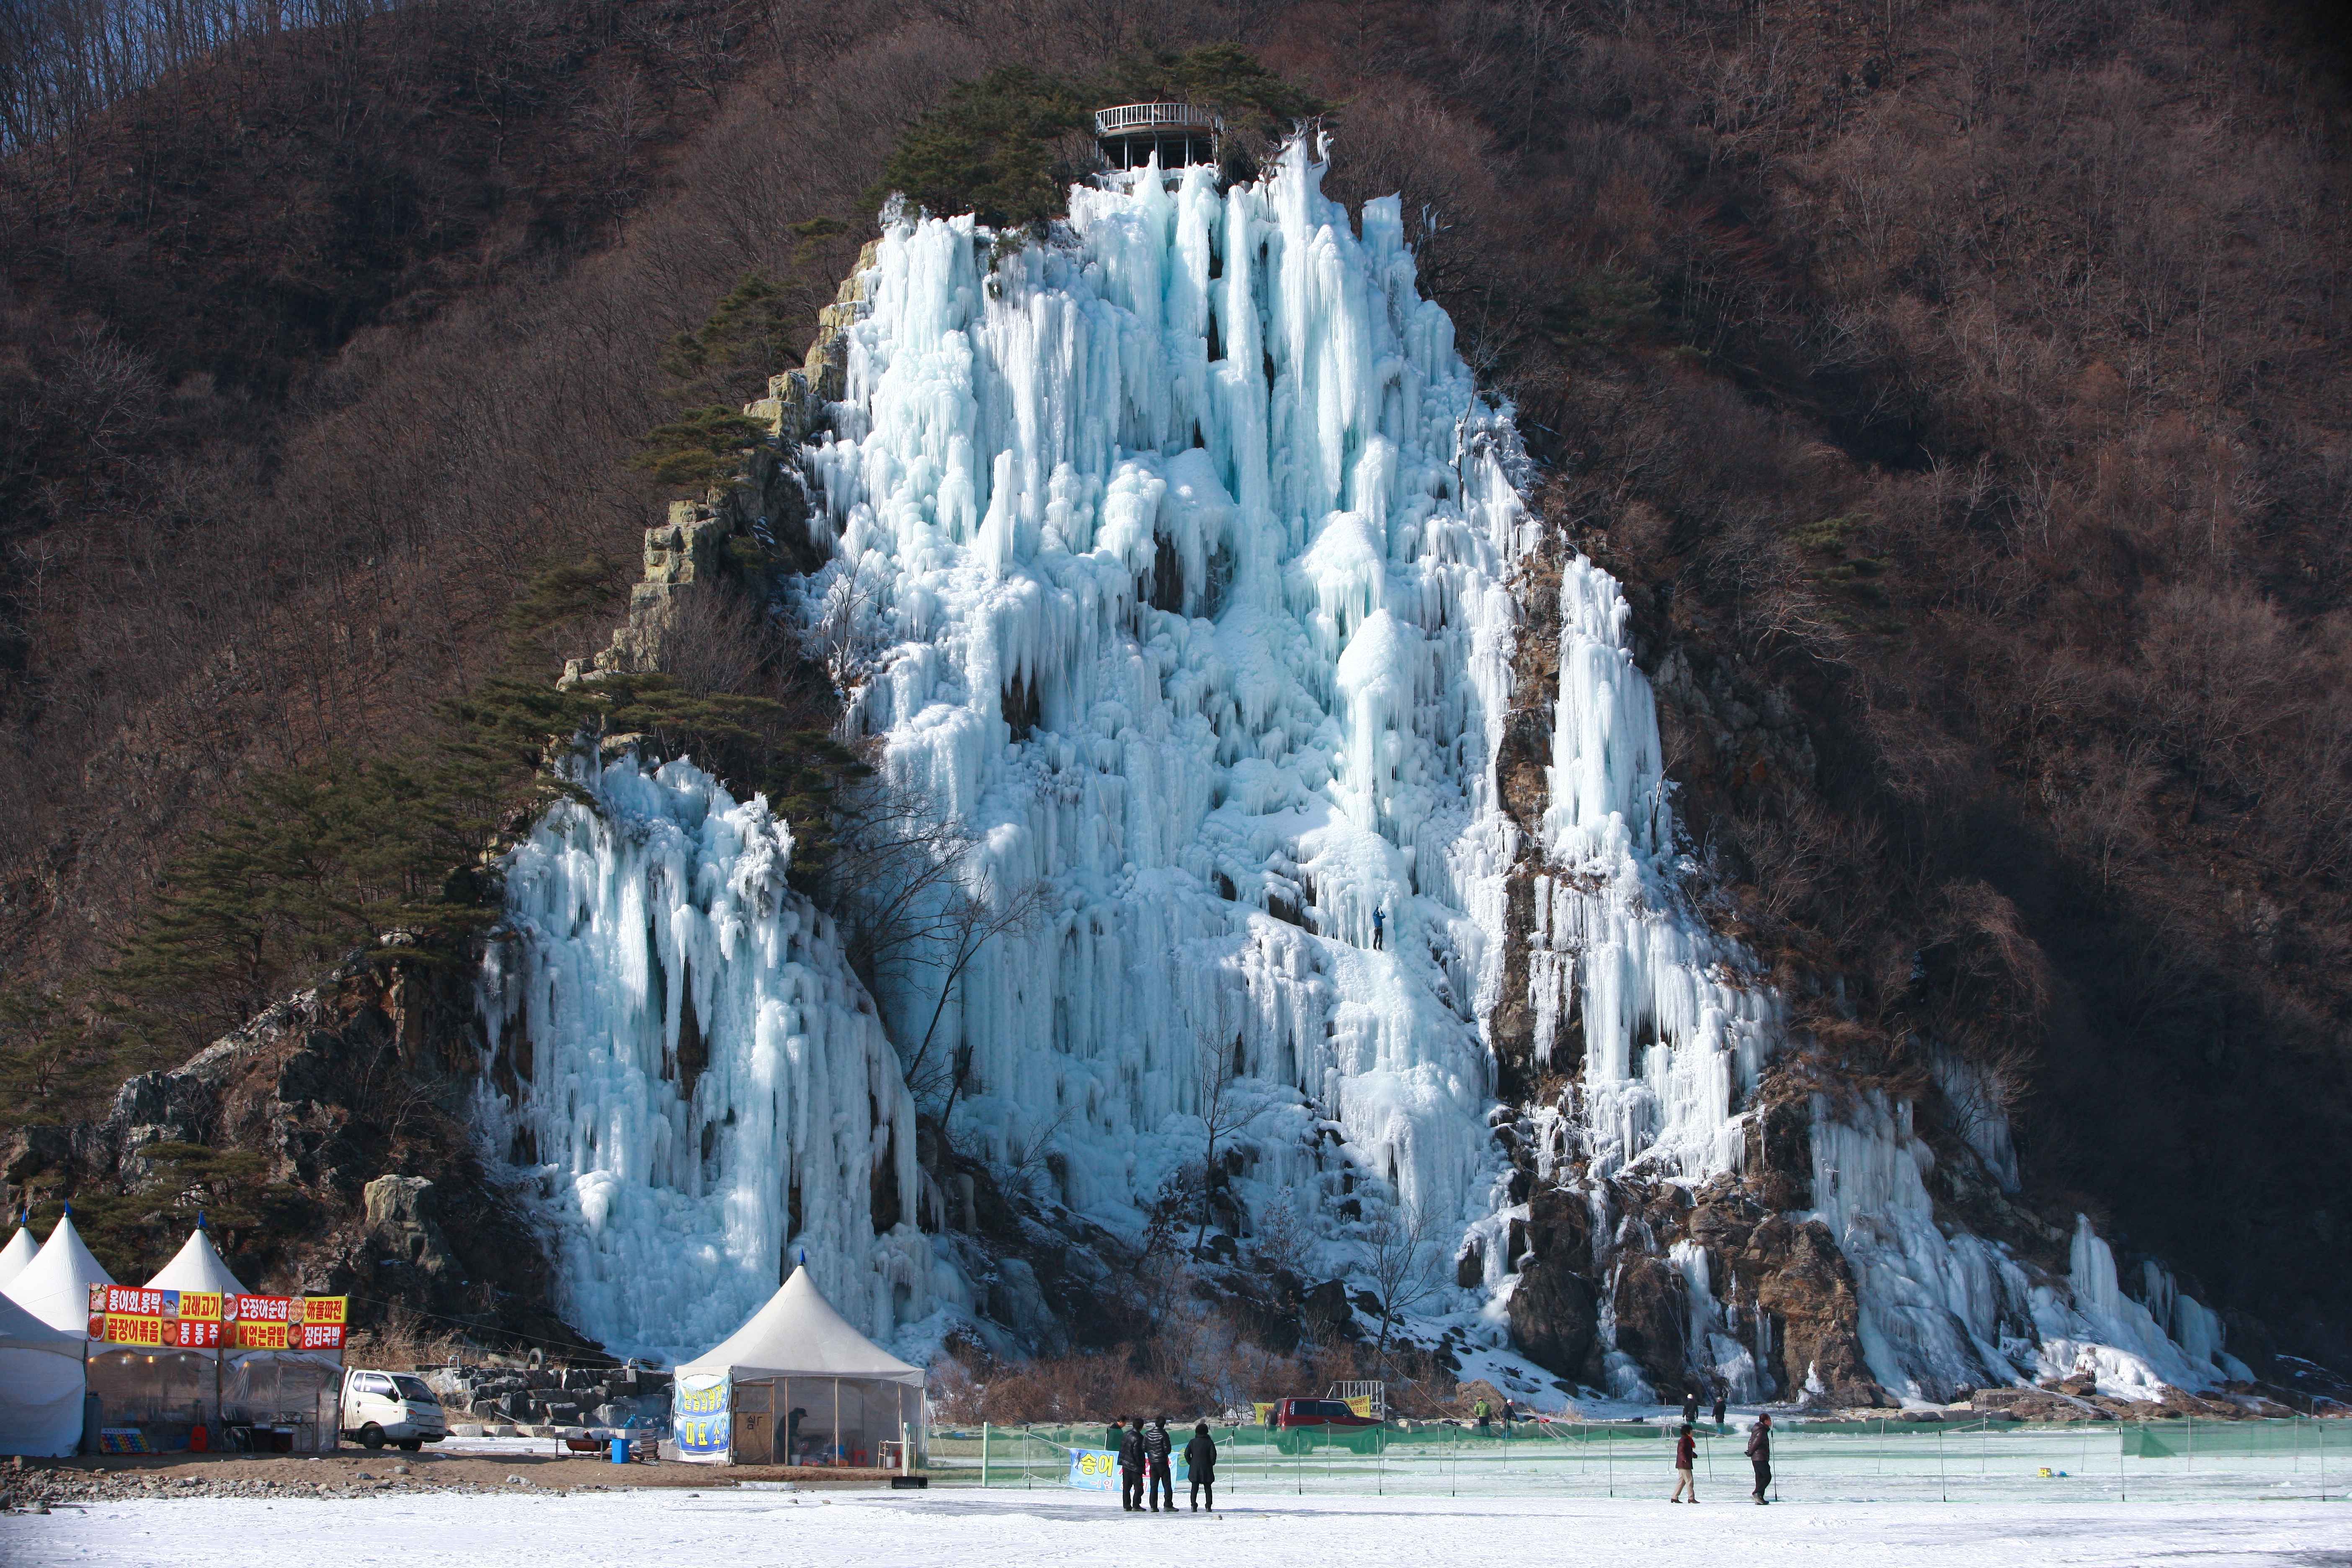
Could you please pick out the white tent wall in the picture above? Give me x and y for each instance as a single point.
(40, 1386)
(40, 1402)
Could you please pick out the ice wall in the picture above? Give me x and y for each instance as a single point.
(692, 1082)
(1942, 1311)
(1179, 551)
(1673, 1024)
(1174, 560)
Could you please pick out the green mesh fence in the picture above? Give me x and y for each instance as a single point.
(1813, 1461)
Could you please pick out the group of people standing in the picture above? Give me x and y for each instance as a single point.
(1145, 1467)
(1143, 1461)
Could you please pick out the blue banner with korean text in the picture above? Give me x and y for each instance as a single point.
(698, 1416)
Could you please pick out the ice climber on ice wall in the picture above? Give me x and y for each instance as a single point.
(1173, 561)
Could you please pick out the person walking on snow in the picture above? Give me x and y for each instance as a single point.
(1130, 1467)
(1479, 1410)
(1690, 1404)
(1722, 1393)
(1155, 1450)
(1200, 1465)
(1759, 1454)
(1686, 1455)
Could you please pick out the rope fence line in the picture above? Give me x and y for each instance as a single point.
(1875, 1460)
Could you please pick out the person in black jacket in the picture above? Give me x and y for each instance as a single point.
(1200, 1464)
(1722, 1394)
(1690, 1404)
(1155, 1451)
(1130, 1468)
(1759, 1454)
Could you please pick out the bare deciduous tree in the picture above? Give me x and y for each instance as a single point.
(1225, 1107)
(1402, 1263)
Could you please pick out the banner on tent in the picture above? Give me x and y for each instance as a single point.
(286, 1322)
(323, 1323)
(157, 1320)
(697, 1416)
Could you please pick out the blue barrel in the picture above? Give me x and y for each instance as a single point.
(620, 1451)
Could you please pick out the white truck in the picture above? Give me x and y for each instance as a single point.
(382, 1407)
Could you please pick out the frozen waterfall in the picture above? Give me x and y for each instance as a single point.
(688, 1074)
(1172, 564)
(1179, 551)
(1675, 1023)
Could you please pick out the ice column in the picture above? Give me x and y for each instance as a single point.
(1674, 1025)
(694, 1085)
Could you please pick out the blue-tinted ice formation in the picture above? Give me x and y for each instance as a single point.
(1173, 561)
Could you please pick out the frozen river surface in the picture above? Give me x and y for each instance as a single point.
(882, 1531)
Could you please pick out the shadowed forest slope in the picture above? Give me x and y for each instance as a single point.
(1960, 390)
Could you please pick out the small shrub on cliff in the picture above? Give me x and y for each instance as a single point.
(699, 447)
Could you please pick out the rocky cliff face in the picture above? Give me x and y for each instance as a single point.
(353, 1096)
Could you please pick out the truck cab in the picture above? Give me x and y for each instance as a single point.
(382, 1407)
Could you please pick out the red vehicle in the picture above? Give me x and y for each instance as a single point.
(1300, 1425)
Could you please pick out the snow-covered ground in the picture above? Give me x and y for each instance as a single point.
(879, 1529)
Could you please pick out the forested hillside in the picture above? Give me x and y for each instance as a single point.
(1960, 390)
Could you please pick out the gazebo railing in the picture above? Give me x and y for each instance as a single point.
(1128, 117)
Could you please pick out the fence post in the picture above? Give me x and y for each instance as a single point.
(2123, 1487)
(983, 1455)
(2192, 1444)
(1943, 1481)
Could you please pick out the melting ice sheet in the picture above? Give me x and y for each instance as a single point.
(696, 1077)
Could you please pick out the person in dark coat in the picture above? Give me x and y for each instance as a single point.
(1200, 1465)
(1686, 1456)
(1759, 1454)
(1690, 1404)
(1130, 1468)
(1155, 1452)
(1722, 1393)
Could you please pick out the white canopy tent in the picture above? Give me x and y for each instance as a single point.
(285, 1401)
(197, 1266)
(800, 1386)
(20, 1250)
(40, 1386)
(54, 1286)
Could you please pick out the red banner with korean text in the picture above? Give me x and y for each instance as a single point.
(160, 1319)
(323, 1323)
(260, 1322)
(286, 1322)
